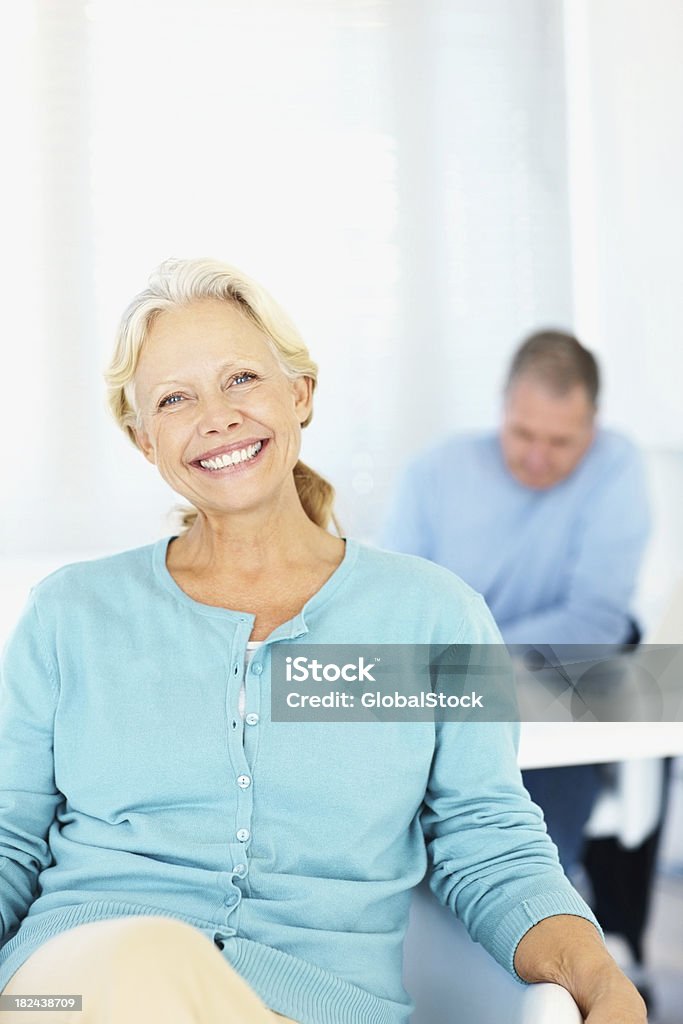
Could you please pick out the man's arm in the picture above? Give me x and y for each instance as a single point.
(568, 951)
(608, 549)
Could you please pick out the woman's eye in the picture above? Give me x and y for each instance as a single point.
(174, 399)
(240, 378)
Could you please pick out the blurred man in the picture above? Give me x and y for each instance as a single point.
(547, 518)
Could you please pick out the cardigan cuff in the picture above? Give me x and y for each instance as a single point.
(514, 926)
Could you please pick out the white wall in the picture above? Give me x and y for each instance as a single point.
(395, 173)
(398, 174)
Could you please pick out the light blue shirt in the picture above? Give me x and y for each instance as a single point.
(130, 784)
(555, 566)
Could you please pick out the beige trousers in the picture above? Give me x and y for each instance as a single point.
(136, 970)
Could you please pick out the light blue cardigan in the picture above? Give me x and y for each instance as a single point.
(129, 784)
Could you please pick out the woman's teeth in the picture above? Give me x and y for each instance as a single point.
(233, 458)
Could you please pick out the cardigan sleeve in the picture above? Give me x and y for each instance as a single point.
(491, 859)
(28, 795)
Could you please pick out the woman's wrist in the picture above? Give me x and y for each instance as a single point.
(563, 949)
(569, 951)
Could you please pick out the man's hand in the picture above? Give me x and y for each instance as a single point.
(568, 950)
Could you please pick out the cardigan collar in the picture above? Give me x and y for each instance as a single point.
(289, 630)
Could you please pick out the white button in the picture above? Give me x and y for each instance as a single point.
(257, 669)
(243, 834)
(252, 718)
(243, 781)
(240, 870)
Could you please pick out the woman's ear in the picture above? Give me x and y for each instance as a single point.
(303, 397)
(144, 444)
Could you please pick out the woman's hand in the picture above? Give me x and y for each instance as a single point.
(613, 1000)
(568, 950)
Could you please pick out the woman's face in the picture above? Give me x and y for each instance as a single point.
(219, 418)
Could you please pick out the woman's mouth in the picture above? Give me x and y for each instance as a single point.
(232, 459)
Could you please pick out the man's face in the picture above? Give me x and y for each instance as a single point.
(544, 436)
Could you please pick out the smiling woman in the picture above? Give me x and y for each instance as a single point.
(224, 293)
(169, 851)
(235, 423)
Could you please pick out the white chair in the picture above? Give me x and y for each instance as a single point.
(453, 980)
(549, 1004)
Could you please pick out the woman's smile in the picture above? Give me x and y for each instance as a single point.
(230, 458)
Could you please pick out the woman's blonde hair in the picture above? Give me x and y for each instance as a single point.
(180, 283)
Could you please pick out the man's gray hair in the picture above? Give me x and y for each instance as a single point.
(558, 361)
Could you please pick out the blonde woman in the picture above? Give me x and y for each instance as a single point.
(169, 852)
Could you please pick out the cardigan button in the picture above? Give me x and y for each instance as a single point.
(243, 834)
(257, 669)
(252, 718)
(243, 781)
(240, 870)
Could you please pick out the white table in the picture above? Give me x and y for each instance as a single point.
(546, 744)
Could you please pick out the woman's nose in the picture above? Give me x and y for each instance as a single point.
(218, 413)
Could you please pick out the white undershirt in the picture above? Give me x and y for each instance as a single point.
(252, 647)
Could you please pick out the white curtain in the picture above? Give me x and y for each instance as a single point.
(394, 172)
(625, 82)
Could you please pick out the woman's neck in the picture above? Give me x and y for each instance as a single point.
(247, 547)
(270, 574)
